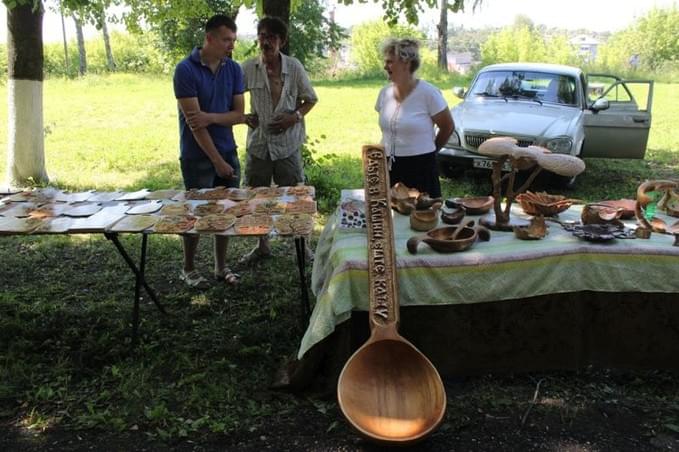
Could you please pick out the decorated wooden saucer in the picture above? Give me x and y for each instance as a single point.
(134, 223)
(300, 190)
(209, 208)
(240, 209)
(179, 208)
(294, 224)
(239, 194)
(301, 206)
(268, 192)
(256, 224)
(174, 224)
(217, 222)
(206, 195)
(47, 210)
(270, 207)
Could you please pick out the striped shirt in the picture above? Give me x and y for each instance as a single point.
(296, 88)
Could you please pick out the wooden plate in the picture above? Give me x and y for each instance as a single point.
(208, 208)
(256, 224)
(215, 222)
(301, 190)
(11, 225)
(209, 194)
(174, 224)
(301, 206)
(268, 192)
(82, 210)
(240, 194)
(271, 207)
(180, 208)
(240, 209)
(144, 208)
(294, 224)
(134, 223)
(162, 194)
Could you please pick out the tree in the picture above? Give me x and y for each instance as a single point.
(25, 140)
(442, 28)
(82, 53)
(366, 40)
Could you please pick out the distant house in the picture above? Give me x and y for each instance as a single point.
(585, 46)
(460, 62)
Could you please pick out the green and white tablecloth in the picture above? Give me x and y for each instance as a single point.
(504, 268)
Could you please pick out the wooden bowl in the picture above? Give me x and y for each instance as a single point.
(424, 220)
(474, 205)
(453, 216)
(449, 239)
(543, 203)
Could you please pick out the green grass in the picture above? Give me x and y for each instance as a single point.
(65, 302)
(120, 132)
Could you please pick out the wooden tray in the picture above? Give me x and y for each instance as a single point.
(240, 209)
(104, 196)
(207, 194)
(162, 194)
(268, 192)
(301, 190)
(270, 207)
(301, 206)
(134, 196)
(208, 208)
(73, 197)
(178, 208)
(56, 225)
(100, 221)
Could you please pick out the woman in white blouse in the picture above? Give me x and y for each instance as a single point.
(409, 108)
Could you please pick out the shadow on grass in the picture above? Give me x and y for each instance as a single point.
(65, 323)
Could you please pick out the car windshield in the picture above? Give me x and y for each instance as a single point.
(537, 86)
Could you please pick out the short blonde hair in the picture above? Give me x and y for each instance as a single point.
(406, 50)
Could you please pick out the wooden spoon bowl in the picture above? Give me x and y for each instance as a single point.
(402, 402)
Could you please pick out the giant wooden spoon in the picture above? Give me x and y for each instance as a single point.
(388, 390)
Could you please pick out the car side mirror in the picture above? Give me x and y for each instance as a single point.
(459, 91)
(600, 104)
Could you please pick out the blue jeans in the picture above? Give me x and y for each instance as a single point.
(201, 173)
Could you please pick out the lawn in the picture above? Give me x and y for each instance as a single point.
(201, 375)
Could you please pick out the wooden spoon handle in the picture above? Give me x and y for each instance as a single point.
(461, 226)
(383, 286)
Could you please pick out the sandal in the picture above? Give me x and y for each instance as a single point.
(253, 256)
(193, 279)
(228, 277)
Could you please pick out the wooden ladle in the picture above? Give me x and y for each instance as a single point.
(388, 390)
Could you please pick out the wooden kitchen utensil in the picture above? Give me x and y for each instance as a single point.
(388, 390)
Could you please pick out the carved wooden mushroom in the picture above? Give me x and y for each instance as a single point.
(506, 149)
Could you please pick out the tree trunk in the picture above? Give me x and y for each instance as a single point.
(443, 37)
(67, 62)
(25, 134)
(82, 66)
(280, 9)
(110, 63)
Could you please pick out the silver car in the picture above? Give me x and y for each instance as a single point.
(553, 106)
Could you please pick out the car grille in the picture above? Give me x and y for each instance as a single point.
(476, 140)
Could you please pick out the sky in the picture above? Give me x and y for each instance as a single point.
(595, 15)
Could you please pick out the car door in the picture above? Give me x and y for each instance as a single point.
(621, 131)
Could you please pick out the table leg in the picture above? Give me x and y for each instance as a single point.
(140, 281)
(301, 266)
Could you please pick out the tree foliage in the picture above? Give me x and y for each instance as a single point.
(311, 33)
(655, 38)
(411, 9)
(366, 42)
(523, 42)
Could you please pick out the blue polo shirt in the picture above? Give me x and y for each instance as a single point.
(215, 95)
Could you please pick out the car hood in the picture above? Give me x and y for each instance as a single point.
(515, 118)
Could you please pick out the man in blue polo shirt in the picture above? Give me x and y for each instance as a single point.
(208, 86)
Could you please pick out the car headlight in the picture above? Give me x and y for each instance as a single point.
(562, 145)
(454, 140)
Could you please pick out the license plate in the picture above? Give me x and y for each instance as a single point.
(488, 164)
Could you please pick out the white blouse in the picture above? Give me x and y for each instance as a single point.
(407, 127)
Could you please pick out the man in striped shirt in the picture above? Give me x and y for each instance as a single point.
(280, 96)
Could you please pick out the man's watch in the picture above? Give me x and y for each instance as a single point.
(299, 115)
